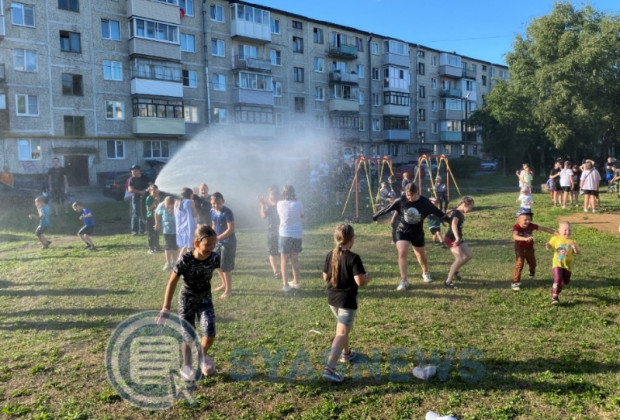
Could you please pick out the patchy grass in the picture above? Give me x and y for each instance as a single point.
(501, 354)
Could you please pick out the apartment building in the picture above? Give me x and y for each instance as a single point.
(106, 84)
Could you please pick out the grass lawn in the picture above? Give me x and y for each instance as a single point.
(501, 354)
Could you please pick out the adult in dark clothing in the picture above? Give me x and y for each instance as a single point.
(554, 176)
(58, 185)
(412, 209)
(138, 185)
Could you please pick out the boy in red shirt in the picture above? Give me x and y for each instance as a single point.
(524, 244)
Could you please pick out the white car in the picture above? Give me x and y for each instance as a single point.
(488, 165)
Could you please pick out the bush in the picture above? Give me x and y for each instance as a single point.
(465, 167)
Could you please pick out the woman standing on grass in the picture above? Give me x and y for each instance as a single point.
(454, 239)
(344, 273)
(590, 179)
(290, 212)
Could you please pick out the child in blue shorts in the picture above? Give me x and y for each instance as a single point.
(89, 225)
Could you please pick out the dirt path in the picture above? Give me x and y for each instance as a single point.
(607, 222)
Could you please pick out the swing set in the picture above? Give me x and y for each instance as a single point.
(384, 165)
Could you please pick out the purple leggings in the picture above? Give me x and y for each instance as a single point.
(561, 277)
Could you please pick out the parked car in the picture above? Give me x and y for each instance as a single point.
(488, 165)
(114, 187)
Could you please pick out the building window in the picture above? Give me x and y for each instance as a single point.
(72, 84)
(247, 51)
(374, 48)
(319, 65)
(359, 44)
(27, 105)
(421, 68)
(297, 25)
(279, 119)
(220, 116)
(434, 60)
(422, 136)
(447, 149)
(275, 25)
(502, 74)
(362, 124)
(318, 35)
(421, 114)
(217, 48)
(157, 108)
(22, 15)
(112, 70)
(360, 97)
(29, 149)
(190, 78)
(376, 99)
(376, 124)
(298, 44)
(114, 110)
(70, 5)
(190, 114)
(375, 73)
(420, 54)
(187, 6)
(422, 91)
(396, 98)
(216, 13)
(433, 83)
(74, 126)
(70, 42)
(219, 81)
(188, 43)
(257, 81)
(360, 71)
(300, 104)
(116, 149)
(277, 89)
(298, 74)
(396, 123)
(110, 29)
(319, 93)
(149, 29)
(435, 128)
(276, 57)
(25, 60)
(434, 105)
(484, 80)
(320, 121)
(156, 149)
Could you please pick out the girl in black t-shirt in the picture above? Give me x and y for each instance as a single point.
(454, 239)
(344, 273)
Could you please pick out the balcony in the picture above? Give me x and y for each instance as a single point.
(346, 51)
(345, 134)
(344, 105)
(471, 73)
(154, 10)
(451, 93)
(151, 48)
(253, 96)
(451, 71)
(156, 87)
(254, 130)
(450, 114)
(396, 135)
(249, 63)
(249, 22)
(348, 78)
(396, 110)
(451, 136)
(396, 59)
(166, 126)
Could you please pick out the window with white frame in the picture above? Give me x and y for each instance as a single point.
(395, 47)
(219, 81)
(187, 6)
(374, 48)
(114, 110)
(29, 149)
(298, 44)
(317, 34)
(156, 149)
(190, 78)
(421, 114)
(321, 121)
(360, 97)
(190, 114)
(70, 5)
(188, 43)
(422, 91)
(319, 64)
(275, 57)
(319, 93)
(2, 100)
(74, 125)
(216, 13)
(256, 81)
(218, 48)
(112, 70)
(435, 127)
(247, 51)
(360, 71)
(433, 83)
(70, 42)
(22, 14)
(277, 88)
(376, 99)
(72, 84)
(362, 124)
(110, 29)
(298, 74)
(434, 105)
(25, 60)
(376, 124)
(275, 25)
(115, 149)
(421, 68)
(27, 105)
(158, 31)
(434, 60)
(375, 73)
(220, 116)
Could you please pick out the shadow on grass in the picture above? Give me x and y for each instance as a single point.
(65, 292)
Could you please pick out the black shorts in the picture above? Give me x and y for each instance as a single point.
(86, 230)
(170, 242)
(40, 230)
(435, 229)
(566, 189)
(228, 253)
(57, 196)
(590, 192)
(415, 238)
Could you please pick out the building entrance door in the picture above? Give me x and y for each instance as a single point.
(77, 170)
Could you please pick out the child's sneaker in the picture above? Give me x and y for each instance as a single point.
(87, 246)
(427, 277)
(344, 358)
(555, 301)
(516, 286)
(457, 276)
(286, 288)
(293, 285)
(207, 366)
(403, 285)
(47, 245)
(166, 267)
(532, 274)
(331, 375)
(187, 374)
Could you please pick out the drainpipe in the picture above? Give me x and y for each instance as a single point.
(206, 61)
(369, 91)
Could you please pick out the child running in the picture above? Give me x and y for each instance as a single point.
(165, 223)
(43, 214)
(564, 250)
(344, 273)
(223, 222)
(195, 300)
(524, 245)
(454, 239)
(89, 225)
(269, 211)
